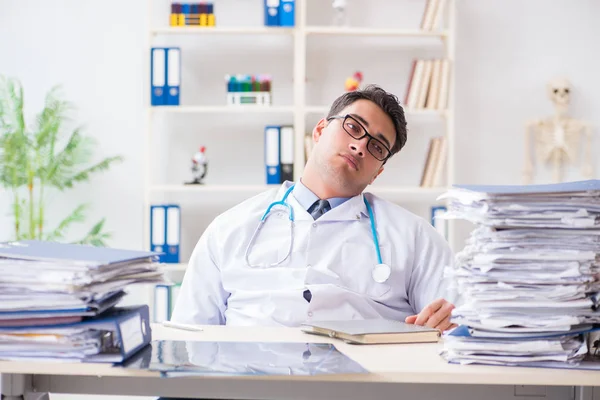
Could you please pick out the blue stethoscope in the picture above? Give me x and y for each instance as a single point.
(380, 273)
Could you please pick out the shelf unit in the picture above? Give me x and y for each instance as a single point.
(299, 109)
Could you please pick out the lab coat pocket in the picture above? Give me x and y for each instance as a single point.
(356, 268)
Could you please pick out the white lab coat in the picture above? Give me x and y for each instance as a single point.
(332, 257)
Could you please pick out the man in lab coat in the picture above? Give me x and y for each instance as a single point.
(326, 267)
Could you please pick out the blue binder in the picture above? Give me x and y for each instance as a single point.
(165, 231)
(130, 328)
(286, 13)
(272, 155)
(272, 12)
(173, 76)
(158, 76)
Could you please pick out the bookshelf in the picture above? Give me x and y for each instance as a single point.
(300, 110)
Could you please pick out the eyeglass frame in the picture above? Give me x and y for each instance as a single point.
(367, 134)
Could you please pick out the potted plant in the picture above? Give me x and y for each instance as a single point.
(41, 157)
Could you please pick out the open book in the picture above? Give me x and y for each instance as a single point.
(372, 331)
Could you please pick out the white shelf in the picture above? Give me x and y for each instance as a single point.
(221, 109)
(173, 267)
(412, 112)
(309, 30)
(395, 191)
(226, 30)
(356, 31)
(212, 188)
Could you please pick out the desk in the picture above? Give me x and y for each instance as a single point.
(397, 371)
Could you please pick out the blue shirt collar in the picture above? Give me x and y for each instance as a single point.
(306, 198)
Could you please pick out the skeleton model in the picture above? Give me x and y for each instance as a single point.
(556, 139)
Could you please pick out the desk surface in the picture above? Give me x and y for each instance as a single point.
(407, 363)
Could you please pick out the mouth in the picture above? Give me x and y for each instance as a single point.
(351, 161)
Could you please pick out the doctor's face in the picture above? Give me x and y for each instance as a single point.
(351, 147)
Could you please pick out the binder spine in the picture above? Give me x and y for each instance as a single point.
(272, 12)
(286, 13)
(272, 163)
(287, 153)
(173, 233)
(158, 76)
(173, 78)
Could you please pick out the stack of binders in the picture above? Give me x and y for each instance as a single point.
(279, 154)
(280, 13)
(59, 301)
(165, 76)
(529, 275)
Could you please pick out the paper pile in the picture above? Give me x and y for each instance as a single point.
(528, 274)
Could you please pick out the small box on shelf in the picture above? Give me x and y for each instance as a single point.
(248, 90)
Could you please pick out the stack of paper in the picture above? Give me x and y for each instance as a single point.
(47, 288)
(528, 273)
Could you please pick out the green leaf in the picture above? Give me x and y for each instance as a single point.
(77, 215)
(84, 175)
(95, 236)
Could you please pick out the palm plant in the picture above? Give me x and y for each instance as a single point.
(44, 157)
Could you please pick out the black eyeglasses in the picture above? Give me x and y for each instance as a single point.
(355, 129)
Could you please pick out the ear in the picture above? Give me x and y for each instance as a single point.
(318, 129)
(376, 175)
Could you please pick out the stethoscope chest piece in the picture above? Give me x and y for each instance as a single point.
(381, 273)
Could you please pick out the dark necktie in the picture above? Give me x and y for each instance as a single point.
(318, 208)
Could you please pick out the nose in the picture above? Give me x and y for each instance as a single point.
(359, 147)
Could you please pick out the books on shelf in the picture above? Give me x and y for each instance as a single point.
(428, 85)
(435, 163)
(432, 17)
(192, 14)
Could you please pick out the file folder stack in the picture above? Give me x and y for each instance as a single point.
(54, 296)
(528, 274)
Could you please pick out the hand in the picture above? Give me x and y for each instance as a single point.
(435, 315)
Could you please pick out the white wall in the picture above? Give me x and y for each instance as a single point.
(506, 52)
(94, 49)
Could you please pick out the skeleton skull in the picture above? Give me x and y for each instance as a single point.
(559, 91)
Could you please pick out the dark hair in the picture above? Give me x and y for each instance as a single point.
(388, 102)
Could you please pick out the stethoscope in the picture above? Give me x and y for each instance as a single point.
(380, 272)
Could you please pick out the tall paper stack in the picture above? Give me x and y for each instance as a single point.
(528, 274)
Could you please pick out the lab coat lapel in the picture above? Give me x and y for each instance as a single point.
(351, 210)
